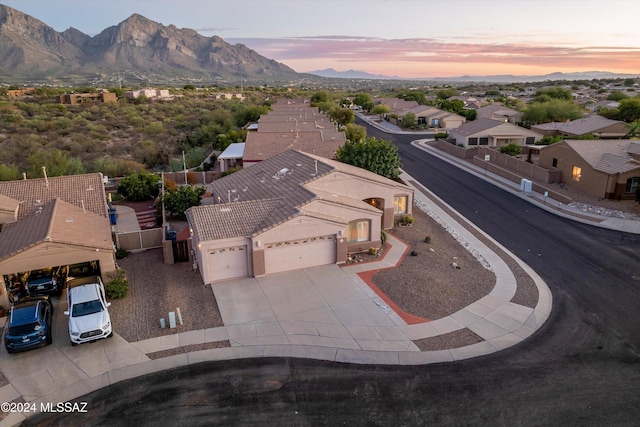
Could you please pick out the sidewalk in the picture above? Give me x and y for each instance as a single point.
(538, 199)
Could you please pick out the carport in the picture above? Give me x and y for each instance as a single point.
(58, 234)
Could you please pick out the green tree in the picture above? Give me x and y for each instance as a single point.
(376, 155)
(355, 132)
(362, 98)
(10, 172)
(617, 95)
(414, 95)
(511, 149)
(629, 110)
(447, 93)
(470, 115)
(452, 105)
(55, 161)
(555, 110)
(545, 95)
(179, 200)
(381, 110)
(342, 116)
(409, 120)
(319, 97)
(140, 186)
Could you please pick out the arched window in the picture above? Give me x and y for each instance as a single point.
(359, 231)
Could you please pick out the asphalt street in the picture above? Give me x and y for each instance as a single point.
(581, 368)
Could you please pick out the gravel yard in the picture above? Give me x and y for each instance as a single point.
(155, 288)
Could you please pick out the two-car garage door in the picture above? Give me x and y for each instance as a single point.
(297, 254)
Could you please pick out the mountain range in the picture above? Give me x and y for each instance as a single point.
(505, 78)
(136, 49)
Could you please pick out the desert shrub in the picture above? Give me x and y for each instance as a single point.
(407, 220)
(427, 239)
(414, 253)
(121, 253)
(117, 286)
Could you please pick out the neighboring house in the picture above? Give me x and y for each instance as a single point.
(609, 169)
(598, 126)
(292, 125)
(21, 93)
(87, 98)
(292, 211)
(260, 146)
(53, 222)
(396, 105)
(436, 118)
(498, 111)
(492, 133)
(148, 93)
(605, 103)
(231, 157)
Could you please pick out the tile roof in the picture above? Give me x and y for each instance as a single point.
(262, 145)
(475, 126)
(496, 110)
(84, 191)
(279, 177)
(272, 192)
(241, 219)
(59, 222)
(609, 156)
(581, 126)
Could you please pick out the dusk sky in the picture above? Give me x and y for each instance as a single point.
(405, 38)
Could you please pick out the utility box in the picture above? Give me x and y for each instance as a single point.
(526, 185)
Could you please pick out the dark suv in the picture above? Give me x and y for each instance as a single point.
(29, 324)
(45, 281)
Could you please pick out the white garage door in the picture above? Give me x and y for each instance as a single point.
(297, 254)
(227, 263)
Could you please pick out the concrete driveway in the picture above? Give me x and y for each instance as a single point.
(322, 306)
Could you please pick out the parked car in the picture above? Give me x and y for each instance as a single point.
(29, 324)
(89, 318)
(47, 281)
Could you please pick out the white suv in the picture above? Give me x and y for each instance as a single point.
(88, 316)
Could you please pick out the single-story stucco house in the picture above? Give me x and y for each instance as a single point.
(491, 133)
(602, 168)
(292, 211)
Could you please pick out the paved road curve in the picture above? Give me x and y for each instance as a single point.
(581, 368)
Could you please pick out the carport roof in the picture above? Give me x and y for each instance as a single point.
(84, 191)
(57, 222)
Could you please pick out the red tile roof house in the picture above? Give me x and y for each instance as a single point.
(292, 211)
(602, 168)
(491, 133)
(599, 126)
(52, 222)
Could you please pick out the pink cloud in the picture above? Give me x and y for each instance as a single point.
(404, 52)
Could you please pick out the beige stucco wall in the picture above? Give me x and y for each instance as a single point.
(591, 181)
(361, 189)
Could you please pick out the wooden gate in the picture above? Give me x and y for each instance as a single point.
(180, 251)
